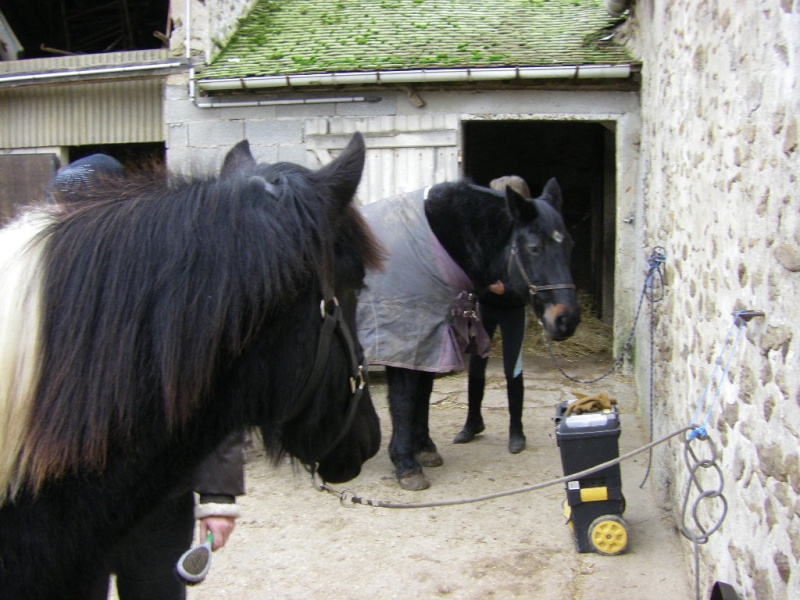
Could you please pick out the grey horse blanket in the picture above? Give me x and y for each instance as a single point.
(419, 313)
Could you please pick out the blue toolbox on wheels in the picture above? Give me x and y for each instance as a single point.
(594, 503)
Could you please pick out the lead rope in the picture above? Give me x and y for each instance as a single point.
(653, 290)
(349, 498)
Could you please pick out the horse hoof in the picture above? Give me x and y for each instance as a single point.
(468, 434)
(516, 444)
(429, 459)
(414, 482)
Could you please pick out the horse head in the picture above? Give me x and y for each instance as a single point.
(328, 419)
(538, 259)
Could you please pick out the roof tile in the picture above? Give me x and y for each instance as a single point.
(287, 37)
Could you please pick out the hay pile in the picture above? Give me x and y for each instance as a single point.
(592, 336)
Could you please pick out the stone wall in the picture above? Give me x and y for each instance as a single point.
(212, 22)
(719, 166)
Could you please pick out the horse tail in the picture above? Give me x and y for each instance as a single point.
(21, 247)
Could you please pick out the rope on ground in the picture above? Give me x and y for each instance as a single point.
(653, 290)
(348, 497)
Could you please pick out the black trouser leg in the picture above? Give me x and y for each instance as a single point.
(475, 387)
(516, 394)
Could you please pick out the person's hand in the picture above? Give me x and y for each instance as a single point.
(497, 288)
(221, 527)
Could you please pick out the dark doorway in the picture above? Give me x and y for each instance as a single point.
(580, 156)
(132, 156)
(23, 181)
(24, 178)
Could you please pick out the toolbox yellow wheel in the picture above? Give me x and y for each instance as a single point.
(608, 535)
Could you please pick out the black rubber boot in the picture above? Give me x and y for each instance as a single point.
(516, 393)
(474, 424)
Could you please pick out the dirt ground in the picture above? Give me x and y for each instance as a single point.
(295, 542)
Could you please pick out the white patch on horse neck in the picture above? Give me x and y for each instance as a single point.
(558, 236)
(20, 280)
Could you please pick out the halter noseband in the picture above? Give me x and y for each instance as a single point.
(533, 289)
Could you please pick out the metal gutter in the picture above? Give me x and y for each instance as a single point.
(286, 101)
(417, 76)
(84, 74)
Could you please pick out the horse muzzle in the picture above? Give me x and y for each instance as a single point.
(561, 320)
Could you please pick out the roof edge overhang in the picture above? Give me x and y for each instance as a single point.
(93, 74)
(413, 76)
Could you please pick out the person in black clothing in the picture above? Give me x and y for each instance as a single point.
(500, 305)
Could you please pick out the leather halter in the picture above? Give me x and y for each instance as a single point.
(333, 323)
(533, 289)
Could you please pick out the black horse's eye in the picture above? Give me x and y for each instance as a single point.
(533, 248)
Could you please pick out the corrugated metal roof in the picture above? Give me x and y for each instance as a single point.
(83, 113)
(83, 61)
(284, 37)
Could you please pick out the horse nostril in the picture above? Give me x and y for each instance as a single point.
(565, 324)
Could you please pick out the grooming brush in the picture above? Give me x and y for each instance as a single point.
(194, 564)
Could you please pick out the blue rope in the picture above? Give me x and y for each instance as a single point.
(700, 430)
(654, 286)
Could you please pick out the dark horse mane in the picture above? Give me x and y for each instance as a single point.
(143, 252)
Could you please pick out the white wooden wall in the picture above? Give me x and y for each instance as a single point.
(404, 153)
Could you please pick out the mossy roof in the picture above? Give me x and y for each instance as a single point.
(288, 37)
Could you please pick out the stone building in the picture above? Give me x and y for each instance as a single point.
(695, 122)
(669, 123)
(695, 125)
(717, 187)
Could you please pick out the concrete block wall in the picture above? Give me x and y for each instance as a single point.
(198, 138)
(719, 167)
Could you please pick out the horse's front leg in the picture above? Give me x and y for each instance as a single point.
(403, 396)
(424, 449)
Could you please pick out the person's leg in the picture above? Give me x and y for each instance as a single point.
(512, 328)
(146, 566)
(476, 384)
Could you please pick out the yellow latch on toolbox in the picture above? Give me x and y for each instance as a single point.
(594, 494)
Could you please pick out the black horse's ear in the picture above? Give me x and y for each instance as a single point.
(343, 174)
(238, 161)
(552, 194)
(522, 209)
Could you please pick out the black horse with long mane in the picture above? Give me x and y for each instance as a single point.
(148, 322)
(419, 315)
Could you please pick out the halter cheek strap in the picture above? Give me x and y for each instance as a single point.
(533, 289)
(333, 323)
